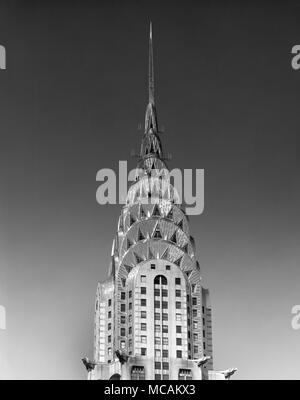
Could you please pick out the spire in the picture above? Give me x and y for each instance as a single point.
(151, 118)
(151, 155)
(151, 69)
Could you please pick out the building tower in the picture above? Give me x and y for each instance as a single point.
(152, 315)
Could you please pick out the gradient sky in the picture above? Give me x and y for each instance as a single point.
(71, 99)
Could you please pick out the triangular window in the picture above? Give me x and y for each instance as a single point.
(129, 243)
(173, 238)
(170, 213)
(132, 220)
(180, 224)
(178, 261)
(140, 235)
(142, 213)
(156, 212)
(138, 258)
(157, 234)
(128, 268)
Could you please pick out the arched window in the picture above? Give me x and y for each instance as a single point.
(160, 280)
(115, 377)
(137, 373)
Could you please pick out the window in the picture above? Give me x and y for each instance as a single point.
(130, 306)
(177, 281)
(144, 339)
(179, 354)
(160, 280)
(143, 326)
(130, 342)
(123, 344)
(123, 295)
(157, 377)
(195, 336)
(157, 365)
(157, 353)
(195, 349)
(168, 267)
(129, 318)
(165, 353)
(195, 325)
(194, 301)
(143, 351)
(157, 340)
(123, 282)
(123, 307)
(178, 317)
(165, 341)
(123, 332)
(109, 314)
(156, 292)
(130, 330)
(203, 333)
(123, 319)
(164, 293)
(166, 377)
(143, 302)
(130, 294)
(137, 373)
(194, 313)
(178, 305)
(143, 314)
(109, 338)
(187, 298)
(157, 328)
(157, 316)
(165, 328)
(164, 304)
(109, 351)
(204, 346)
(109, 326)
(185, 374)
(143, 278)
(178, 329)
(178, 341)
(156, 304)
(165, 317)
(203, 310)
(143, 290)
(109, 302)
(152, 266)
(165, 365)
(178, 293)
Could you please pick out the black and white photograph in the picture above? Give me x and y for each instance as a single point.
(149, 192)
